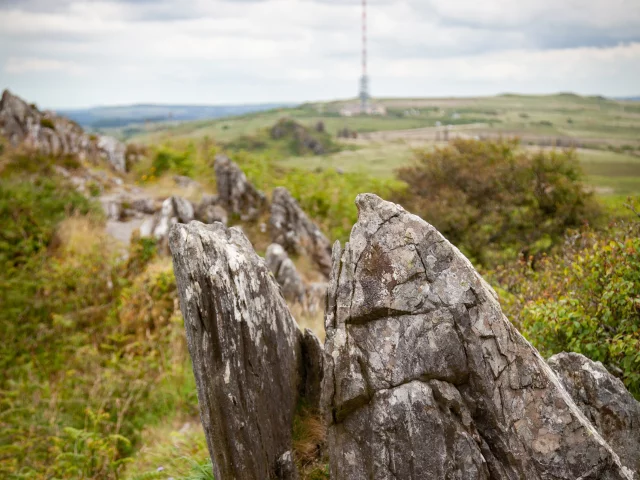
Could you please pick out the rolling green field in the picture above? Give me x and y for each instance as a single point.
(605, 132)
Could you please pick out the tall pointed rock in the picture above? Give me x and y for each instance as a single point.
(426, 378)
(246, 350)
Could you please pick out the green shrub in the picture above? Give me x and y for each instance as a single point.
(47, 123)
(585, 298)
(494, 200)
(167, 159)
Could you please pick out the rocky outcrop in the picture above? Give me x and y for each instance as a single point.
(605, 401)
(302, 140)
(113, 151)
(53, 135)
(285, 273)
(174, 210)
(236, 194)
(124, 205)
(290, 227)
(209, 211)
(250, 361)
(424, 376)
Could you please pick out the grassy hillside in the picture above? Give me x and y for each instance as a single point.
(606, 132)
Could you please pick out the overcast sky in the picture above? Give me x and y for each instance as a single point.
(73, 53)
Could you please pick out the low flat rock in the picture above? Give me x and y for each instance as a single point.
(424, 377)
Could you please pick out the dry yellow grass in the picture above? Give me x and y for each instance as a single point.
(81, 235)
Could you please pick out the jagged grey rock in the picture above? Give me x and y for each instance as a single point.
(114, 151)
(236, 194)
(245, 347)
(286, 467)
(51, 134)
(285, 273)
(183, 209)
(209, 211)
(174, 210)
(424, 376)
(605, 401)
(290, 227)
(313, 358)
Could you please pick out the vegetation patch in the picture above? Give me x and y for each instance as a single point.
(585, 299)
(496, 201)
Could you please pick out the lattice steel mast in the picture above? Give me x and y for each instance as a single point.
(364, 80)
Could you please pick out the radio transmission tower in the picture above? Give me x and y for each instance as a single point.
(364, 80)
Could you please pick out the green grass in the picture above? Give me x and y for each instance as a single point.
(379, 160)
(594, 122)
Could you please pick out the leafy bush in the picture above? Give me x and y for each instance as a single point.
(167, 159)
(47, 123)
(494, 200)
(584, 299)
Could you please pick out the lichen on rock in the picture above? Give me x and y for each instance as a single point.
(252, 364)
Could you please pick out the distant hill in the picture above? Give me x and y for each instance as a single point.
(631, 99)
(120, 116)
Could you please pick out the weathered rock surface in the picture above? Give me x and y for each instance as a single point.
(285, 273)
(424, 376)
(250, 361)
(605, 401)
(290, 227)
(50, 134)
(236, 194)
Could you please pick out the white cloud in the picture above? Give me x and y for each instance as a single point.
(22, 65)
(206, 51)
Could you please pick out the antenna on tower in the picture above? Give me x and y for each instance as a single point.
(364, 80)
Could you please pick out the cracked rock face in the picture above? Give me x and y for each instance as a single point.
(424, 377)
(605, 401)
(236, 194)
(246, 351)
(290, 227)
